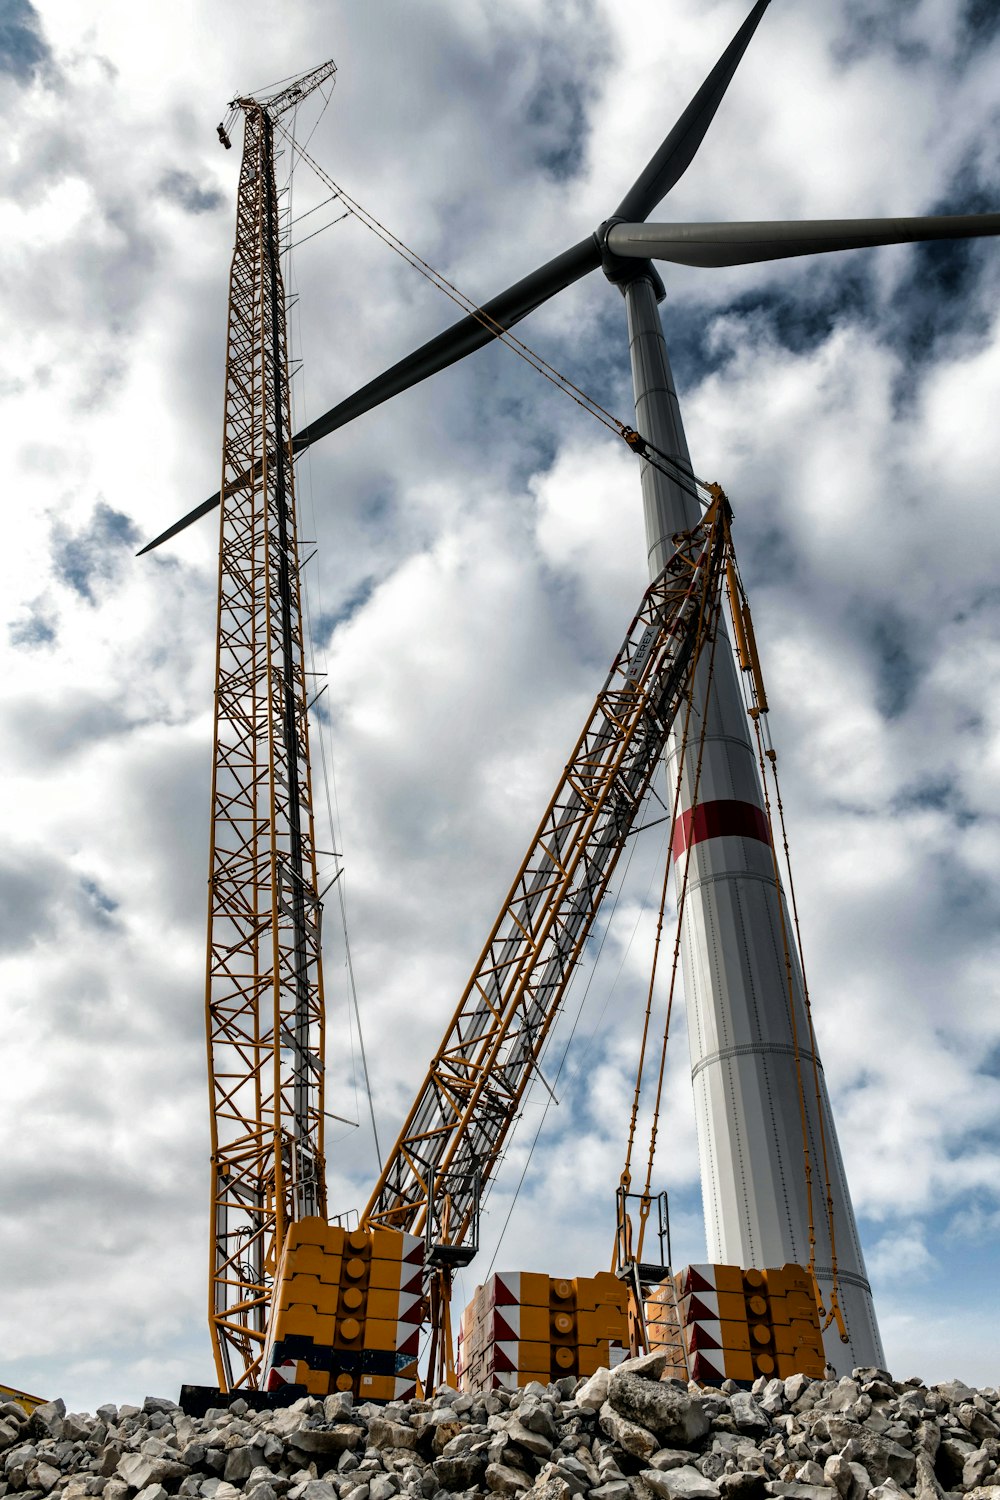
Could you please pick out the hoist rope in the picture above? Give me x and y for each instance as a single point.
(708, 622)
(578, 1069)
(835, 1312)
(681, 476)
(626, 1177)
(328, 768)
(675, 965)
(766, 754)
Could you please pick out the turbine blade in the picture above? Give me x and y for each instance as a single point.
(745, 244)
(666, 167)
(181, 525)
(454, 344)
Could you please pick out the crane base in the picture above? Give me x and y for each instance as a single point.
(196, 1400)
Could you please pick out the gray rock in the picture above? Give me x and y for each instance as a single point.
(743, 1486)
(551, 1489)
(809, 1473)
(9, 1433)
(46, 1420)
(537, 1416)
(459, 1471)
(580, 1475)
(107, 1460)
(952, 1456)
(661, 1406)
(135, 1469)
(327, 1439)
(977, 1422)
(286, 1420)
(383, 1433)
(985, 1492)
(650, 1366)
(975, 1469)
(712, 1465)
(612, 1489)
(927, 1439)
(240, 1464)
(152, 1492)
(747, 1415)
(338, 1405)
(926, 1486)
(225, 1491)
(164, 1404)
(382, 1487)
(503, 1480)
(534, 1443)
(800, 1491)
(885, 1459)
(593, 1393)
(44, 1476)
(837, 1473)
(631, 1436)
(685, 1483)
(671, 1458)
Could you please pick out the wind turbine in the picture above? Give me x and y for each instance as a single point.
(747, 1040)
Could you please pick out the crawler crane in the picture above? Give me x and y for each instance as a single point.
(295, 1303)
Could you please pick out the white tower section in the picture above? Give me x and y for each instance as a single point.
(743, 1049)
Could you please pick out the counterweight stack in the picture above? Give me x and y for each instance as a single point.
(264, 996)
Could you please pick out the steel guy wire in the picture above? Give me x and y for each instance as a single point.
(686, 481)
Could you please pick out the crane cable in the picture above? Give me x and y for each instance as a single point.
(638, 444)
(766, 754)
(329, 771)
(646, 1200)
(623, 1251)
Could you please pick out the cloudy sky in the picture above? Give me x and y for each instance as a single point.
(480, 554)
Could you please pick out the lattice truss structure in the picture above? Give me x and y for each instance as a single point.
(454, 1135)
(264, 1000)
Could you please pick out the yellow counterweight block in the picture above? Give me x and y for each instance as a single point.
(523, 1326)
(346, 1312)
(739, 1324)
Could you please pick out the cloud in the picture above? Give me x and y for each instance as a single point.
(24, 52)
(36, 627)
(181, 188)
(91, 555)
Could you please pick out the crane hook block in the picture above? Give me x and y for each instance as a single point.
(224, 138)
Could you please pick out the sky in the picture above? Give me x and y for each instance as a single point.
(480, 554)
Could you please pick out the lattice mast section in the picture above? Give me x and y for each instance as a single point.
(264, 989)
(454, 1135)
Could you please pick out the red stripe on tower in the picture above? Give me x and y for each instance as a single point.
(720, 820)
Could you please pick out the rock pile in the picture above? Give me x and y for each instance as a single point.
(623, 1435)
